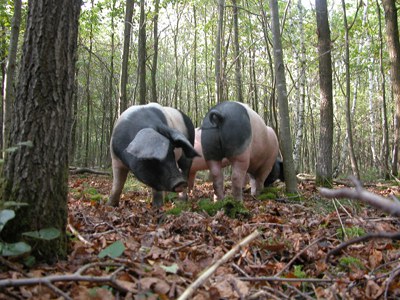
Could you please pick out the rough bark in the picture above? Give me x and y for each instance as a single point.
(38, 174)
(218, 53)
(324, 158)
(238, 72)
(285, 135)
(155, 55)
(392, 32)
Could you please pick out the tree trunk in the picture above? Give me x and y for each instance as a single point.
(392, 32)
(238, 72)
(324, 159)
(142, 55)
(195, 86)
(123, 100)
(218, 52)
(301, 93)
(285, 135)
(349, 131)
(385, 138)
(37, 174)
(155, 55)
(9, 92)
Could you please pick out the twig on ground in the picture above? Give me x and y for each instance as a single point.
(296, 256)
(77, 276)
(377, 235)
(393, 274)
(300, 293)
(282, 279)
(207, 273)
(78, 235)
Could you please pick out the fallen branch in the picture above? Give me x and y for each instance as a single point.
(367, 237)
(73, 170)
(77, 276)
(358, 193)
(208, 272)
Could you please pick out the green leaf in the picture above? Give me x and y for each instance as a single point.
(44, 234)
(14, 204)
(113, 251)
(173, 269)
(15, 249)
(5, 216)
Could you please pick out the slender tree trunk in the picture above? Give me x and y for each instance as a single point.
(195, 86)
(301, 93)
(238, 73)
(385, 137)
(324, 159)
(349, 131)
(123, 100)
(9, 92)
(142, 55)
(37, 172)
(218, 52)
(285, 135)
(154, 97)
(392, 32)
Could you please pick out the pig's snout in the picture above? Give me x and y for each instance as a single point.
(179, 186)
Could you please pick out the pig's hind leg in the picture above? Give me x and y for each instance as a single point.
(120, 173)
(215, 167)
(240, 165)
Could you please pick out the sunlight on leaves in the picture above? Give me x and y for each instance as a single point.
(15, 249)
(173, 269)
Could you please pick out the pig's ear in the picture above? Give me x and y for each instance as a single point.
(149, 144)
(216, 117)
(180, 141)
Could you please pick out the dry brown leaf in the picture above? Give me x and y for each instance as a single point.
(375, 258)
(373, 290)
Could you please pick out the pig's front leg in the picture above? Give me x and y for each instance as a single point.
(158, 198)
(217, 177)
(120, 173)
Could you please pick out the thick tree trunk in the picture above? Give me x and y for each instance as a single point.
(285, 135)
(324, 159)
(38, 174)
(9, 92)
(392, 32)
(123, 100)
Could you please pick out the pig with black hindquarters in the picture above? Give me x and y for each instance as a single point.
(199, 164)
(155, 143)
(234, 131)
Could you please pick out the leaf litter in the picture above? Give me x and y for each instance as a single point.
(148, 253)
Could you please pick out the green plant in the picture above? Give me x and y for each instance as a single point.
(232, 208)
(21, 248)
(298, 272)
(350, 232)
(348, 262)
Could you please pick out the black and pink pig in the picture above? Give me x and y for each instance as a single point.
(233, 131)
(155, 143)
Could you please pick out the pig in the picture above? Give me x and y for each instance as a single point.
(155, 143)
(234, 131)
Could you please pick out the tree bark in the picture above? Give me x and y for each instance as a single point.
(384, 155)
(9, 92)
(324, 159)
(392, 32)
(123, 100)
(218, 53)
(238, 72)
(38, 174)
(285, 135)
(349, 131)
(154, 97)
(142, 55)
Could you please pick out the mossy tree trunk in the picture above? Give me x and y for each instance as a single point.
(38, 174)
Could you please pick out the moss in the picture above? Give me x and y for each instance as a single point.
(232, 208)
(350, 232)
(350, 262)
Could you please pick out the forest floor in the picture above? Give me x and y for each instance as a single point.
(137, 252)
